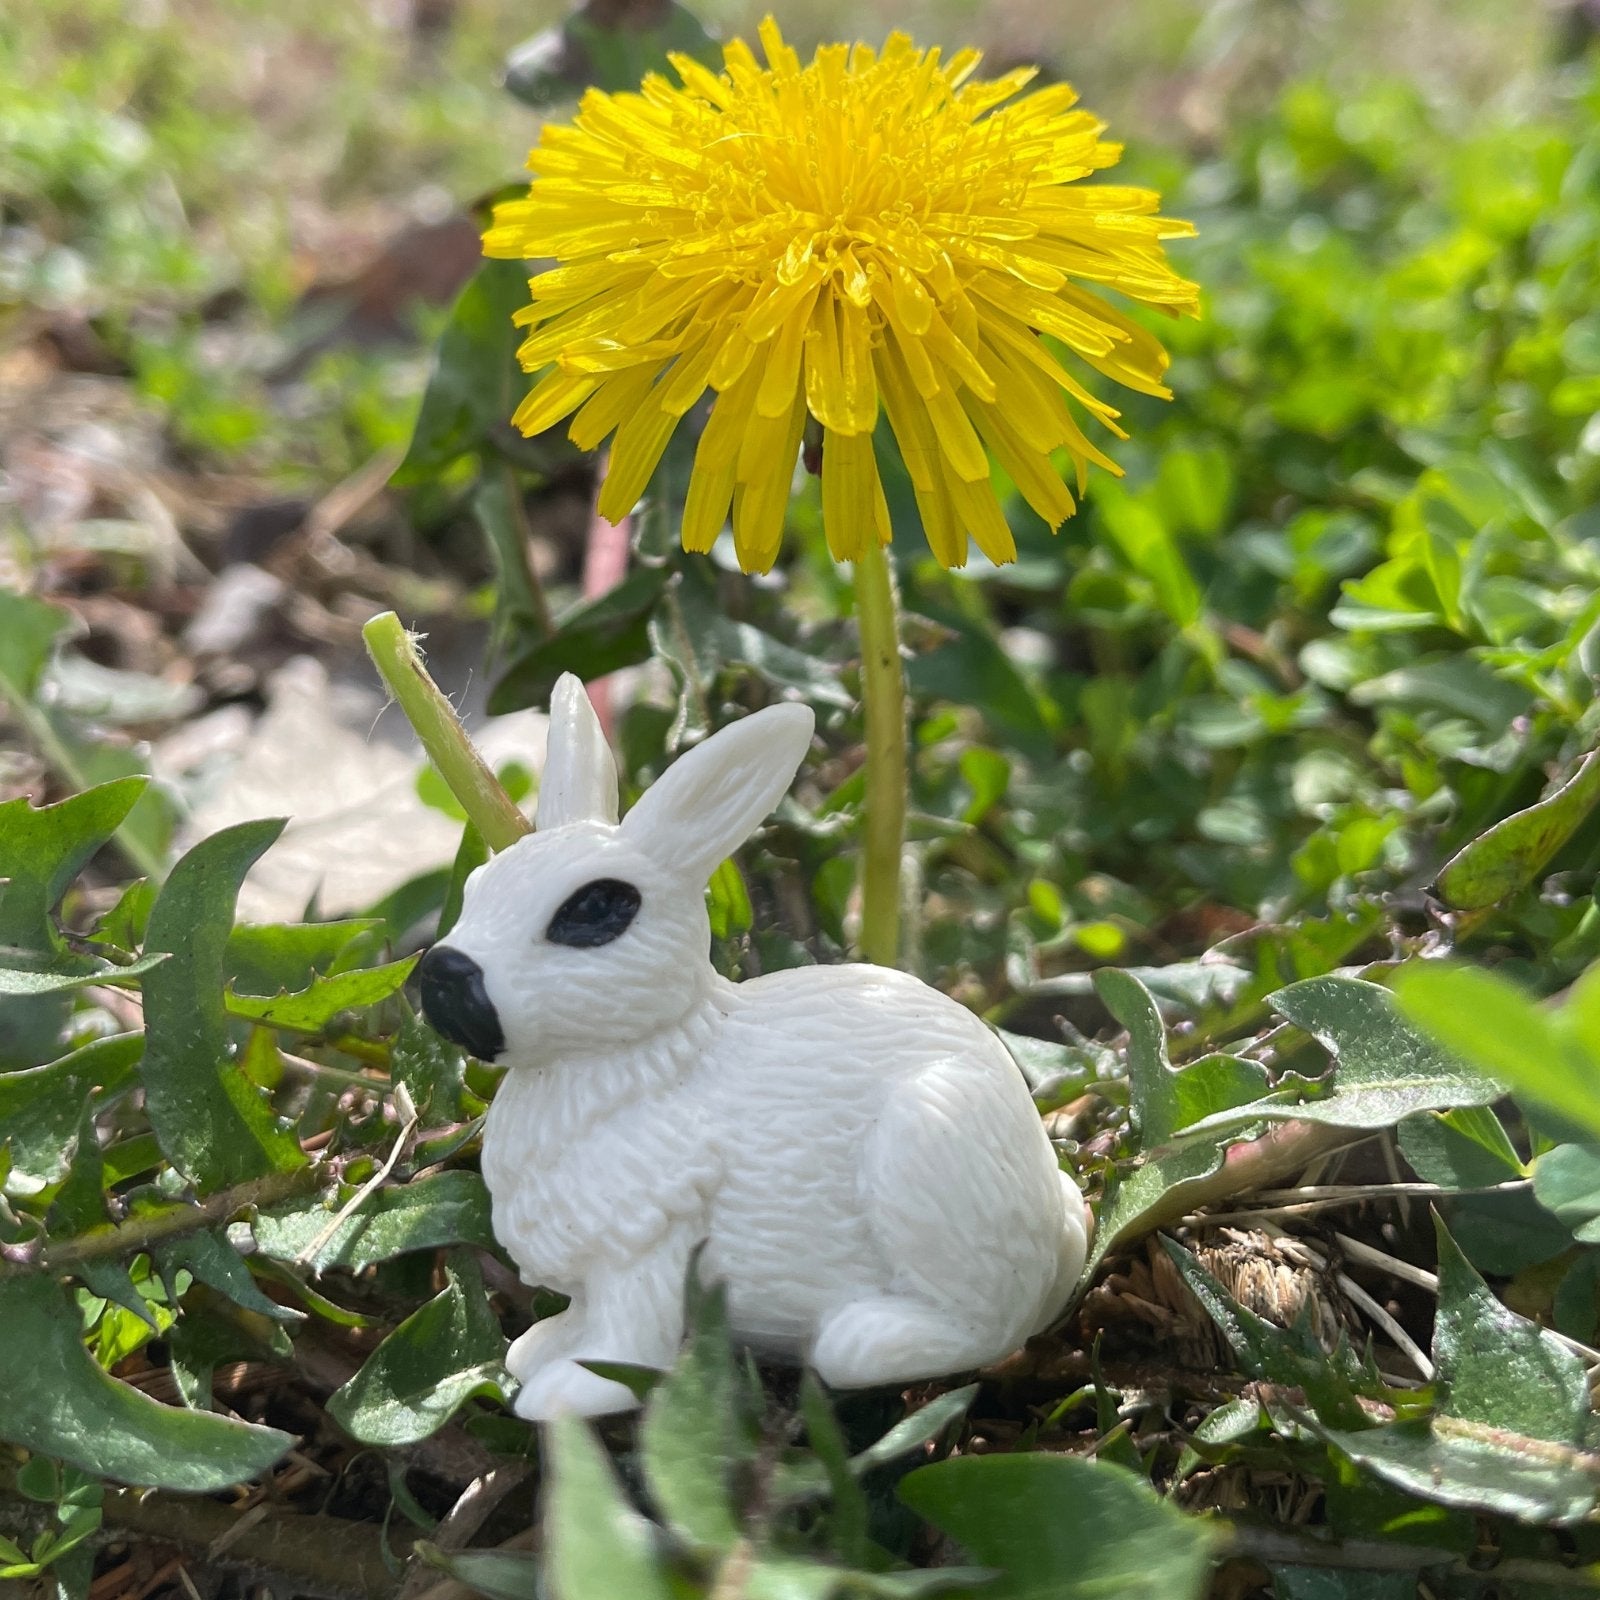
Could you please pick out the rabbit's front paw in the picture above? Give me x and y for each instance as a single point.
(565, 1389)
(545, 1342)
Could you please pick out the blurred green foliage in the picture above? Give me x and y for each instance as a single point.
(1342, 613)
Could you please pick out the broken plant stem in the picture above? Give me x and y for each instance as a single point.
(490, 809)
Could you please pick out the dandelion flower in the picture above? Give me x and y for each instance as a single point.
(873, 230)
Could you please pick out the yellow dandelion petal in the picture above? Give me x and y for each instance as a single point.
(551, 399)
(908, 418)
(850, 492)
(638, 446)
(1029, 467)
(760, 500)
(868, 230)
(605, 410)
(691, 377)
(716, 467)
(782, 374)
(958, 439)
(978, 509)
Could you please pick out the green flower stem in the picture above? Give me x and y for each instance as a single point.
(489, 808)
(883, 691)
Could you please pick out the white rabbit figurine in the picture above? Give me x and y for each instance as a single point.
(858, 1153)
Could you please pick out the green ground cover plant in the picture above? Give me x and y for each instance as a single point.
(1259, 809)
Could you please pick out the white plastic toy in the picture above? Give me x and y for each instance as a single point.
(858, 1153)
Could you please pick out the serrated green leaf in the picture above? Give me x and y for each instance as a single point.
(1232, 1421)
(1152, 1093)
(432, 1069)
(448, 1208)
(310, 1010)
(59, 1403)
(53, 979)
(1509, 856)
(1385, 1069)
(1154, 1187)
(264, 958)
(109, 1279)
(597, 1547)
(1162, 1100)
(40, 1108)
(1062, 1528)
(691, 1436)
(436, 1360)
(1201, 1102)
(43, 848)
(1512, 1414)
(1496, 1368)
(209, 1257)
(212, 1122)
(328, 1310)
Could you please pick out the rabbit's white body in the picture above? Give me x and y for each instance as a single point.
(857, 1153)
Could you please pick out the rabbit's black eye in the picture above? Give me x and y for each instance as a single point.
(595, 914)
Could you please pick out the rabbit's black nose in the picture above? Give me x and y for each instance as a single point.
(456, 1003)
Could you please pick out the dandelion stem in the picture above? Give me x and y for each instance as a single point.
(468, 777)
(883, 692)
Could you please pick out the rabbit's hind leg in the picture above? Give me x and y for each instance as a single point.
(893, 1339)
(967, 1205)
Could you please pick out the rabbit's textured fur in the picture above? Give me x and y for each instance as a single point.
(857, 1153)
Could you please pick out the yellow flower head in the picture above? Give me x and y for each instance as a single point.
(871, 228)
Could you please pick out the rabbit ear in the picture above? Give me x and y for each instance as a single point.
(708, 802)
(579, 782)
